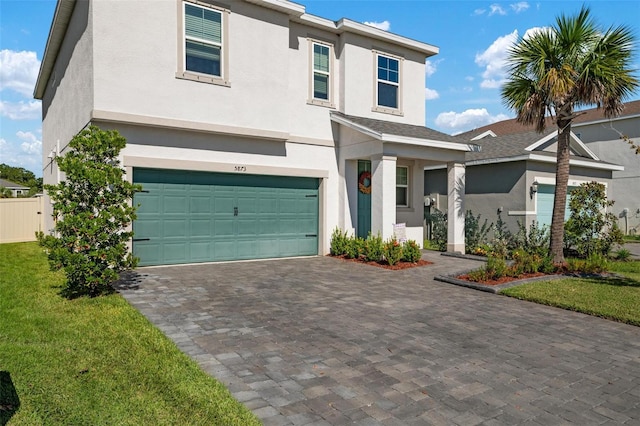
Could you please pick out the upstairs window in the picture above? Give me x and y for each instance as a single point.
(321, 71)
(203, 40)
(388, 84)
(402, 186)
(320, 78)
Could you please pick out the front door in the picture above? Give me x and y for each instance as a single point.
(364, 198)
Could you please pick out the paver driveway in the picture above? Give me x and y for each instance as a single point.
(322, 341)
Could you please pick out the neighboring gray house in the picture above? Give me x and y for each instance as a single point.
(514, 175)
(16, 189)
(255, 128)
(514, 156)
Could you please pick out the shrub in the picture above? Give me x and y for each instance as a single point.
(474, 234)
(392, 251)
(92, 214)
(590, 229)
(623, 255)
(339, 242)
(503, 240)
(373, 248)
(535, 240)
(411, 251)
(438, 221)
(354, 247)
(593, 264)
(496, 267)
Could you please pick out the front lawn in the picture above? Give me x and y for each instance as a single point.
(612, 297)
(93, 361)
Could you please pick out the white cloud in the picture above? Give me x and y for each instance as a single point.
(520, 6)
(384, 25)
(494, 60)
(469, 78)
(30, 144)
(497, 9)
(18, 71)
(456, 122)
(430, 94)
(479, 11)
(20, 110)
(430, 67)
(25, 152)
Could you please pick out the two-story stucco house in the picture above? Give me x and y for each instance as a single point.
(255, 128)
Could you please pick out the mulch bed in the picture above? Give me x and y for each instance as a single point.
(397, 267)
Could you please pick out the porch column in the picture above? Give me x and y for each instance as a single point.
(383, 195)
(455, 205)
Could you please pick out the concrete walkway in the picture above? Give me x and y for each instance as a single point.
(320, 341)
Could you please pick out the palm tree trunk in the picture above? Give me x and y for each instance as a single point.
(556, 244)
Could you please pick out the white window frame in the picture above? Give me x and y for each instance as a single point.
(405, 186)
(376, 80)
(311, 98)
(182, 72)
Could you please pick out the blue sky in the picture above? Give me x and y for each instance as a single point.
(462, 81)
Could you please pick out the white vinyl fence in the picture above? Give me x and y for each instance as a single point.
(20, 219)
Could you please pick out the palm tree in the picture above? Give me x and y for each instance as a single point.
(557, 70)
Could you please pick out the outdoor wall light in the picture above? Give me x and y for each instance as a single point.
(533, 189)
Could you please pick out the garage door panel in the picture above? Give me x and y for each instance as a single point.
(198, 216)
(224, 227)
(200, 251)
(176, 203)
(175, 228)
(200, 227)
(175, 252)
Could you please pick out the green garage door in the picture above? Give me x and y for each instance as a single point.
(188, 217)
(545, 196)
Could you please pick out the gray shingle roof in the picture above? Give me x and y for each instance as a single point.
(11, 185)
(504, 146)
(405, 130)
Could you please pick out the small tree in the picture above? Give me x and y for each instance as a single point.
(590, 228)
(92, 210)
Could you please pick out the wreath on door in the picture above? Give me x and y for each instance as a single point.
(364, 182)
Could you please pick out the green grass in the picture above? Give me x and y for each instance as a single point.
(93, 361)
(632, 238)
(613, 298)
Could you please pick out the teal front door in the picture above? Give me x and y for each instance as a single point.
(190, 217)
(364, 198)
(545, 195)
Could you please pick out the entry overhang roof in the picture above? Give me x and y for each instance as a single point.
(388, 131)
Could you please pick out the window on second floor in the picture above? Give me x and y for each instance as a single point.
(321, 69)
(387, 83)
(402, 186)
(203, 40)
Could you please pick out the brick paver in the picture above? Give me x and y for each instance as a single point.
(318, 341)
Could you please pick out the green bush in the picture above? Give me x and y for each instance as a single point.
(92, 210)
(590, 228)
(411, 251)
(503, 240)
(392, 251)
(339, 242)
(438, 222)
(623, 255)
(354, 248)
(474, 234)
(373, 248)
(535, 240)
